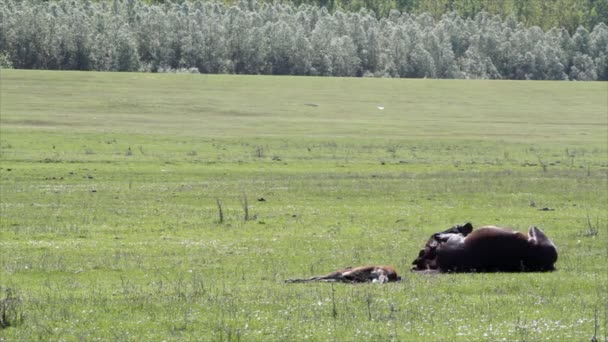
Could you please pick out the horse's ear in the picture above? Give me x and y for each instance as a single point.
(532, 233)
(538, 235)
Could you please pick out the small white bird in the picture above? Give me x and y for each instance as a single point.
(380, 107)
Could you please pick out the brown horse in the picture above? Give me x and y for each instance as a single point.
(362, 274)
(487, 249)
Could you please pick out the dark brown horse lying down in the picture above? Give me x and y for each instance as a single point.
(362, 274)
(486, 249)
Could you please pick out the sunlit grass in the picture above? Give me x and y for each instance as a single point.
(109, 225)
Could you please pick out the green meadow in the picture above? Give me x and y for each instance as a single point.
(112, 184)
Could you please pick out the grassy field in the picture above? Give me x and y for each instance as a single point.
(110, 228)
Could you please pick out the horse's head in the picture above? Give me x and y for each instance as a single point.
(542, 253)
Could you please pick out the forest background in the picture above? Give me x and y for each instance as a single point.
(546, 14)
(510, 39)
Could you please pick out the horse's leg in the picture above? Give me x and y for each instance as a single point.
(331, 277)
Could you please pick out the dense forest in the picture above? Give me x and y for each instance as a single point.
(256, 37)
(569, 14)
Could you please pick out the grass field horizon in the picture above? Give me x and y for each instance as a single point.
(110, 182)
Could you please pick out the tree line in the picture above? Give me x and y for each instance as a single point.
(546, 14)
(253, 37)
